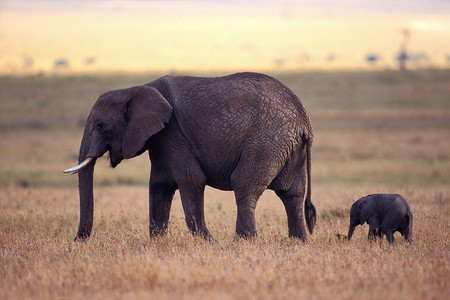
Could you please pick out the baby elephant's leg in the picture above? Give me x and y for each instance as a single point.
(405, 233)
(390, 237)
(379, 233)
(406, 228)
(391, 223)
(374, 227)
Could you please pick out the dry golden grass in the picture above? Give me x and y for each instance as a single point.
(39, 260)
(399, 144)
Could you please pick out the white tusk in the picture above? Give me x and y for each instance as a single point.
(75, 170)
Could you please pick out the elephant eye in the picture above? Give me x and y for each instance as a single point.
(99, 125)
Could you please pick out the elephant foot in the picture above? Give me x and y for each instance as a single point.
(155, 232)
(204, 235)
(300, 236)
(246, 233)
(244, 236)
(80, 239)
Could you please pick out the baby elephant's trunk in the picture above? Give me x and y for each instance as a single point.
(350, 232)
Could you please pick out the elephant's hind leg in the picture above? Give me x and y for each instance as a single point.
(406, 233)
(406, 228)
(245, 222)
(249, 180)
(390, 237)
(291, 186)
(293, 204)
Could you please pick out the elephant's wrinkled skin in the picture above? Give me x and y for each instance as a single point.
(245, 132)
(385, 213)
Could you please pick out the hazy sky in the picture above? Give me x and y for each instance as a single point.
(105, 35)
(378, 6)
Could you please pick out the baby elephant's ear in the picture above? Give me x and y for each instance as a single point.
(145, 115)
(366, 208)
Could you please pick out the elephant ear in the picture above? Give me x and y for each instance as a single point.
(145, 115)
(366, 208)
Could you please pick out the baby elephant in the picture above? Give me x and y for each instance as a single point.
(385, 213)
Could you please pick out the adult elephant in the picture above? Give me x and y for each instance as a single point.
(245, 132)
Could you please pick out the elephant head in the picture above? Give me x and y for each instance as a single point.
(359, 213)
(121, 122)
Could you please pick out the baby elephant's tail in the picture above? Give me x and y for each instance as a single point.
(409, 215)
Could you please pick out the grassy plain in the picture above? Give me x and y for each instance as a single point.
(375, 132)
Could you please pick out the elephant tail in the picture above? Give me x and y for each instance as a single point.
(409, 215)
(310, 210)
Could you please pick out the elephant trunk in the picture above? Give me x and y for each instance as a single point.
(85, 187)
(350, 231)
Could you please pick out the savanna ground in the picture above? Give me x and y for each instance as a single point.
(375, 132)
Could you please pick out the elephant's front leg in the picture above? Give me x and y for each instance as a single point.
(374, 228)
(192, 182)
(160, 202)
(192, 199)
